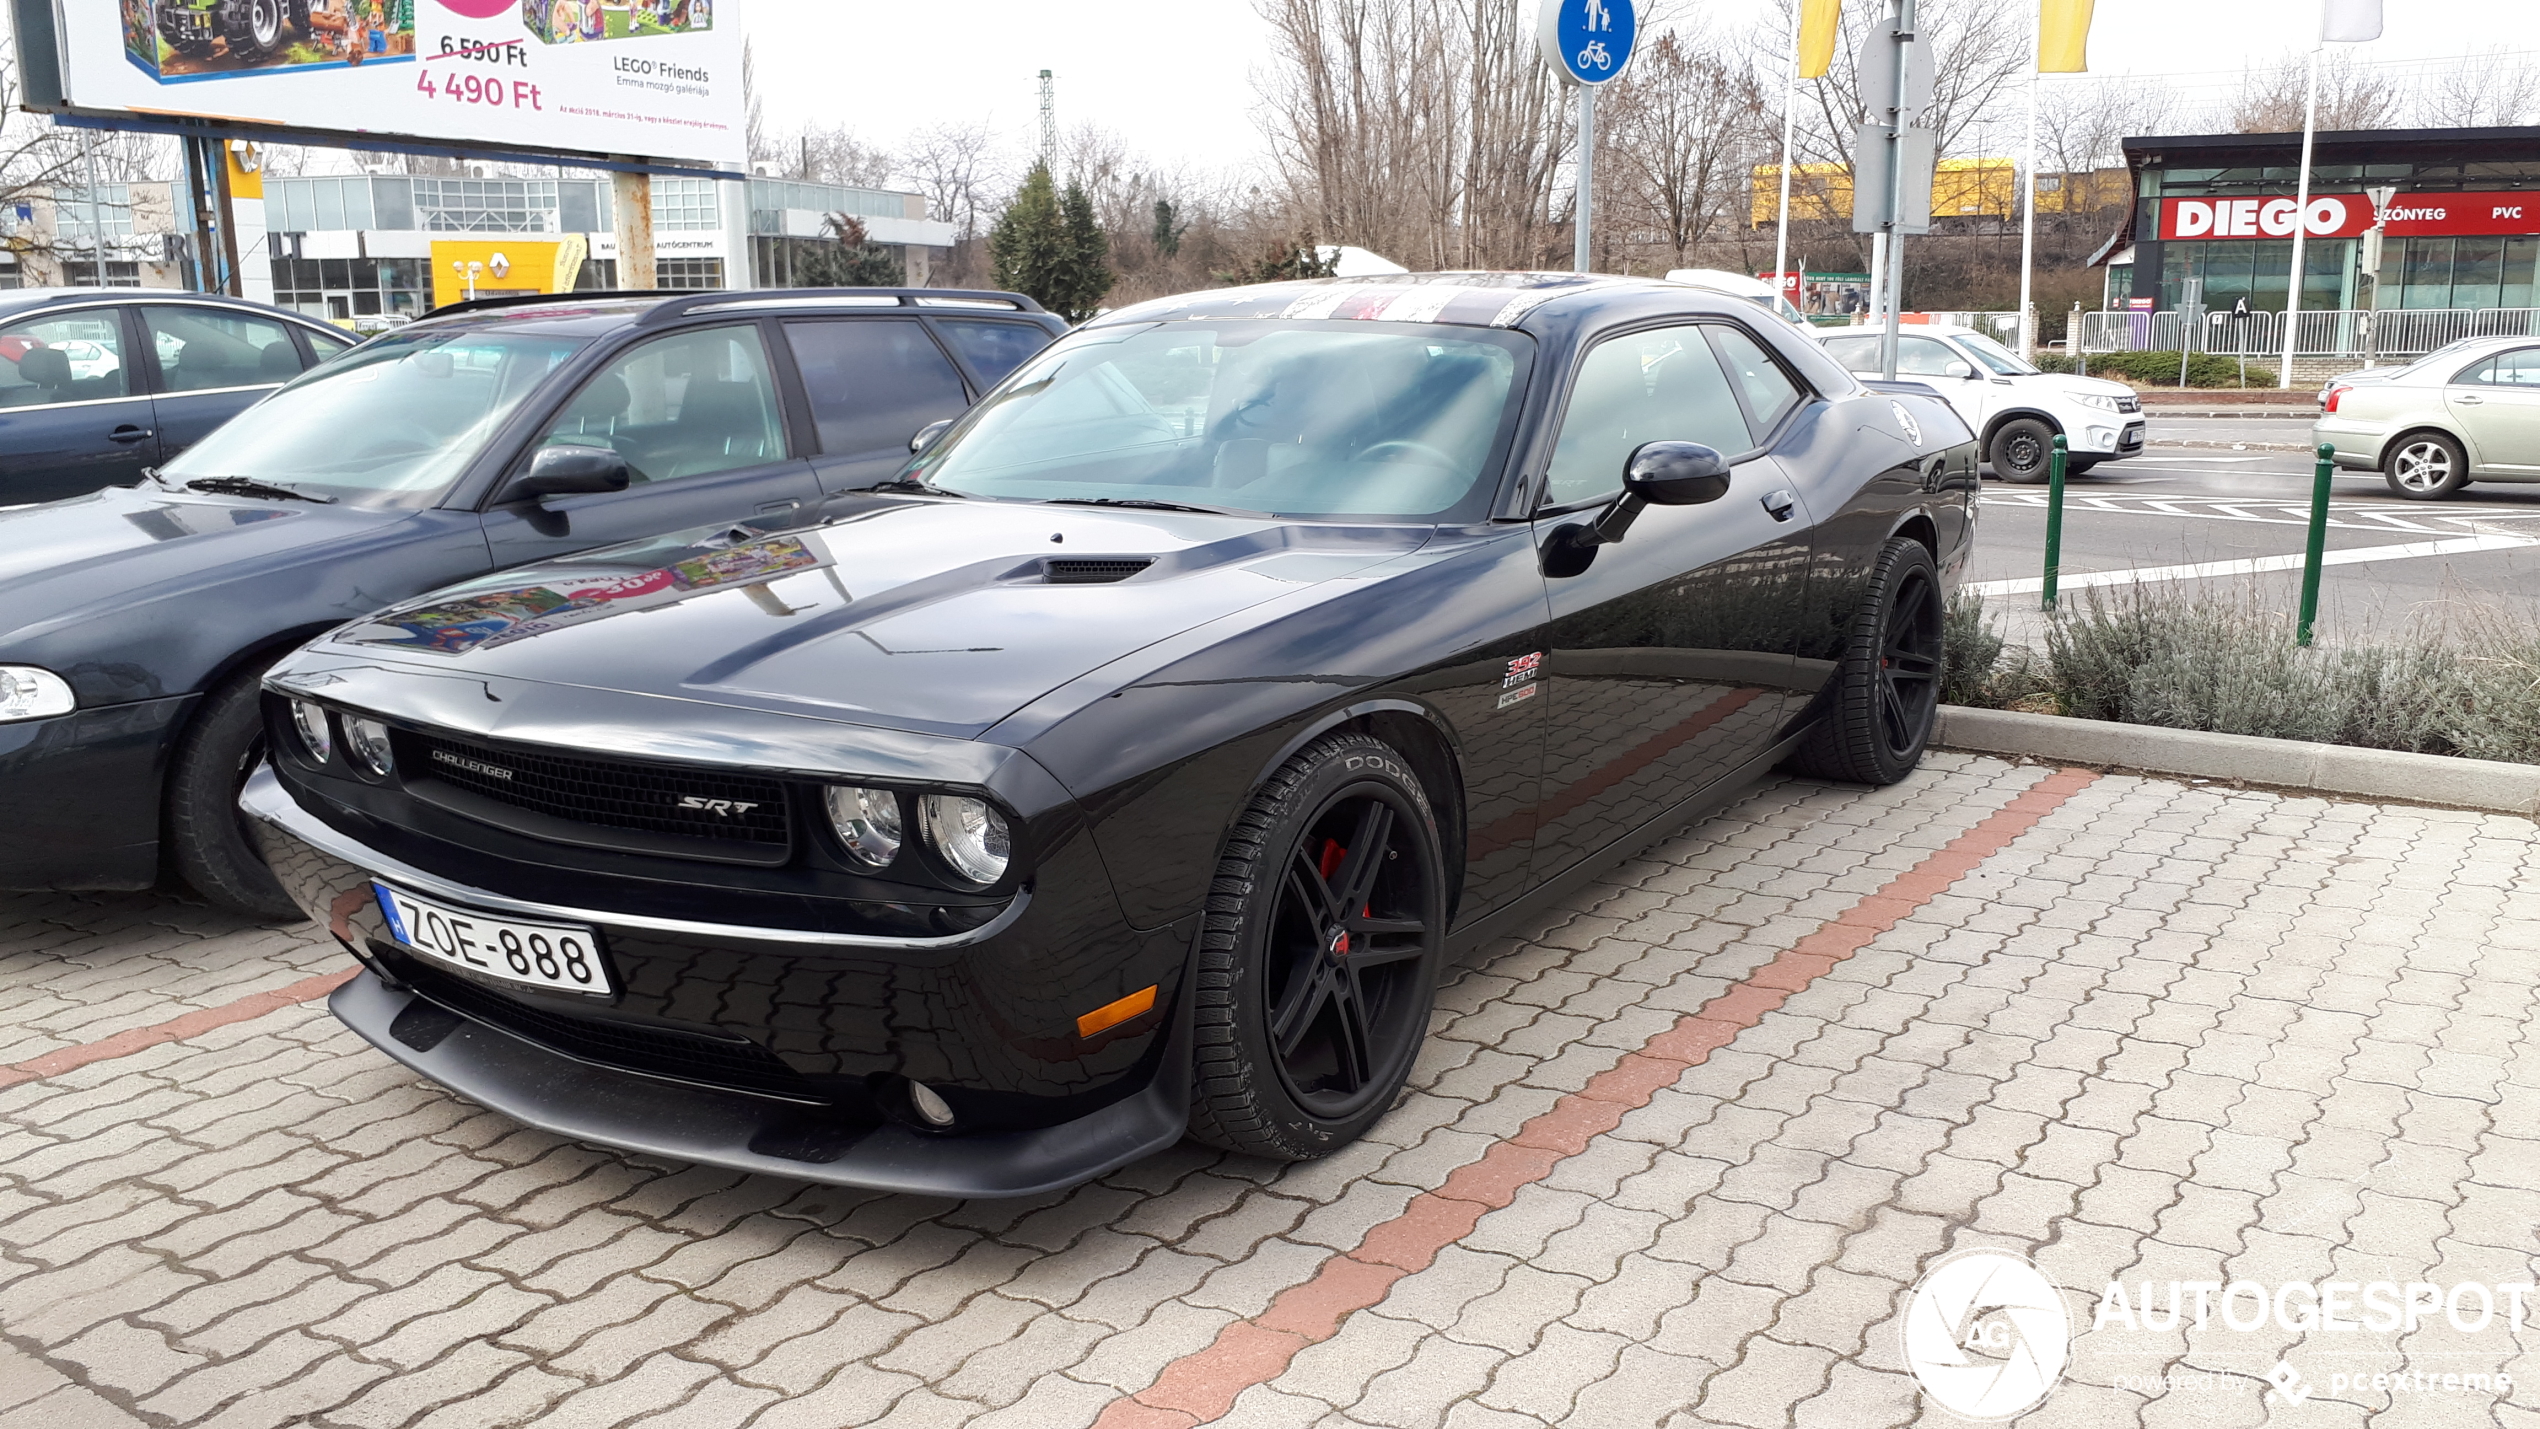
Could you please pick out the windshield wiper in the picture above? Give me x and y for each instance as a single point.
(1142, 504)
(912, 484)
(249, 486)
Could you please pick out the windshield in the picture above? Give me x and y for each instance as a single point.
(2003, 361)
(1287, 418)
(391, 423)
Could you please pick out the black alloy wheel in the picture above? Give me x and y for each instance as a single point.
(2021, 448)
(1885, 695)
(1319, 959)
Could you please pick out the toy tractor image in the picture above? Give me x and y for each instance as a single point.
(252, 29)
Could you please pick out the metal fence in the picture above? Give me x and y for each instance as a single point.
(2344, 332)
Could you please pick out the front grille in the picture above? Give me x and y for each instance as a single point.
(2129, 403)
(654, 1051)
(1091, 572)
(682, 803)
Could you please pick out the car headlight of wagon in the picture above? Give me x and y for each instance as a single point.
(968, 834)
(2098, 400)
(27, 692)
(868, 823)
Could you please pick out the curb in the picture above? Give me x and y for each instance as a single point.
(2230, 446)
(2379, 774)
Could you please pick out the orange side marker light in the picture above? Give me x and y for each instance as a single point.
(1112, 1014)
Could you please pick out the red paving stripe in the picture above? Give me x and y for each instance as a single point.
(175, 1029)
(1202, 1386)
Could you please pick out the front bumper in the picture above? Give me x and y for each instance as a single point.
(774, 1049)
(2106, 438)
(79, 796)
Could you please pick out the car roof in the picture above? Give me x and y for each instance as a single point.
(591, 314)
(1903, 330)
(14, 301)
(1458, 298)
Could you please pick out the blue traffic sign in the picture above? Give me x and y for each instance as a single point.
(1588, 41)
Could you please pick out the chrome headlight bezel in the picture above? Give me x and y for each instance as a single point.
(33, 692)
(309, 720)
(970, 836)
(868, 821)
(367, 747)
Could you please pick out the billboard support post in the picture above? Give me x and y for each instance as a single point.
(634, 203)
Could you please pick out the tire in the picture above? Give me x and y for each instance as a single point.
(251, 28)
(207, 836)
(2020, 450)
(1886, 689)
(2425, 466)
(1306, 1018)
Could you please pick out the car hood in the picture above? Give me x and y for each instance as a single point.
(933, 615)
(2072, 386)
(59, 558)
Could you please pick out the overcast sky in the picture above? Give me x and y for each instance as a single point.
(1174, 80)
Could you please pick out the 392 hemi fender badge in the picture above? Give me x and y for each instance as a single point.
(1518, 685)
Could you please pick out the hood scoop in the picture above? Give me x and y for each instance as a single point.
(1091, 570)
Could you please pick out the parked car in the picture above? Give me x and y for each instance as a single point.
(2016, 410)
(1737, 285)
(2470, 411)
(1132, 763)
(98, 383)
(136, 621)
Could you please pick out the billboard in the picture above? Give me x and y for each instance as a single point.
(656, 79)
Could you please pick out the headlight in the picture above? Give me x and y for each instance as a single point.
(29, 693)
(368, 741)
(969, 834)
(2100, 400)
(868, 823)
(315, 737)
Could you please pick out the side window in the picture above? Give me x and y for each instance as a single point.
(1924, 357)
(1770, 394)
(200, 349)
(1661, 385)
(326, 345)
(993, 348)
(873, 382)
(70, 357)
(2519, 368)
(1856, 354)
(683, 405)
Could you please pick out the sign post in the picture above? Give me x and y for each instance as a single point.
(1892, 159)
(1589, 45)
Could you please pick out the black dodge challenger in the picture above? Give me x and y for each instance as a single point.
(1130, 767)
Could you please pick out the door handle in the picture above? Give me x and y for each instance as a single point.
(2469, 399)
(128, 433)
(777, 508)
(1779, 504)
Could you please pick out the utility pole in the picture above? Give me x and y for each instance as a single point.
(1049, 124)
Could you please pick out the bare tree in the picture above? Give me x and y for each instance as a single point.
(753, 108)
(959, 170)
(1676, 140)
(2487, 86)
(2353, 95)
(828, 154)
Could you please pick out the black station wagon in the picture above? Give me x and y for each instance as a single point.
(1129, 766)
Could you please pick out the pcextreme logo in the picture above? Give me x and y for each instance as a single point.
(1986, 1334)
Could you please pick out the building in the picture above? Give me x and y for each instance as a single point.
(2462, 229)
(1961, 189)
(352, 246)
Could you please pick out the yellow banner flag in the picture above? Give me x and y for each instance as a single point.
(2063, 36)
(1818, 21)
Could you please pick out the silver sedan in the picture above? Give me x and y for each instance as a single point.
(2471, 410)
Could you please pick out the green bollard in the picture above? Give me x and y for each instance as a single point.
(2311, 556)
(2054, 519)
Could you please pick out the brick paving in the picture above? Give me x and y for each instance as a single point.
(1675, 1157)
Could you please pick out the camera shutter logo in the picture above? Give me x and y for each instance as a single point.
(1986, 1334)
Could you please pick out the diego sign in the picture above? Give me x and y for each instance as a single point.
(2348, 215)
(656, 79)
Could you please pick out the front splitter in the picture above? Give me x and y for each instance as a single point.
(556, 1093)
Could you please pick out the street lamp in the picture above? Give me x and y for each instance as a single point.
(467, 271)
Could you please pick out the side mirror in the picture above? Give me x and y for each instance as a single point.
(1959, 369)
(1656, 474)
(928, 435)
(568, 470)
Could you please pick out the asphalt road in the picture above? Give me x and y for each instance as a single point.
(2234, 522)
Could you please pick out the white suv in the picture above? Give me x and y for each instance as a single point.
(2015, 409)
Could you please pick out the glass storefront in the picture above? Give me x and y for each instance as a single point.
(332, 288)
(2460, 272)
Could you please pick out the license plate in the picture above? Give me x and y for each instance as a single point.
(557, 955)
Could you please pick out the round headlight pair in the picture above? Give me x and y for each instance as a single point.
(366, 740)
(969, 834)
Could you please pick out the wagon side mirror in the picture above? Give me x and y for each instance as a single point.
(1959, 369)
(568, 470)
(1656, 474)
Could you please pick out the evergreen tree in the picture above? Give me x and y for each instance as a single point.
(847, 258)
(1050, 248)
(1168, 236)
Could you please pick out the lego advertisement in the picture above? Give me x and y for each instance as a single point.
(656, 79)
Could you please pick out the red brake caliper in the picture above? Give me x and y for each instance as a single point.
(1327, 865)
